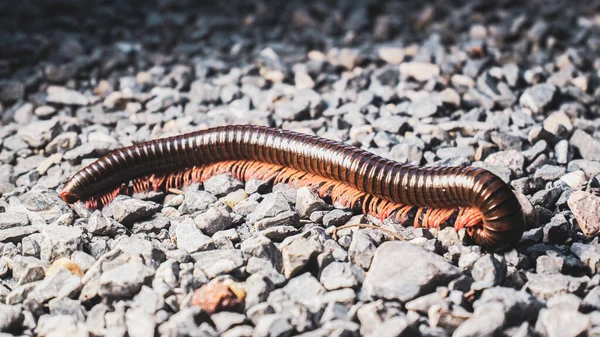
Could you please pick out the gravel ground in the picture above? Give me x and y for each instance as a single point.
(511, 86)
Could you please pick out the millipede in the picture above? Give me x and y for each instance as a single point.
(469, 197)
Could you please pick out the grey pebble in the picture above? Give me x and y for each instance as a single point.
(195, 201)
(361, 250)
(218, 262)
(127, 210)
(220, 185)
(544, 286)
(213, 220)
(339, 275)
(60, 241)
(297, 254)
(538, 97)
(308, 202)
(124, 281)
(403, 271)
(569, 323)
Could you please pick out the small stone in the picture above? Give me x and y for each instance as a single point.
(186, 323)
(222, 184)
(403, 271)
(139, 322)
(423, 108)
(225, 320)
(391, 54)
(260, 246)
(44, 111)
(556, 121)
(11, 91)
(62, 143)
(361, 250)
(518, 305)
(576, 179)
(67, 97)
(591, 301)
(338, 275)
(549, 172)
(23, 114)
(588, 254)
(100, 224)
(221, 295)
(297, 254)
(27, 269)
(586, 209)
(308, 202)
(126, 210)
(66, 263)
(557, 322)
(16, 234)
(569, 302)
(538, 97)
(544, 286)
(61, 283)
(219, 262)
(11, 220)
(189, 237)
(511, 73)
(30, 247)
(124, 281)
(487, 320)
(588, 147)
(273, 205)
(303, 80)
(488, 272)
(506, 141)
(293, 110)
(59, 241)
(304, 289)
(257, 289)
(273, 325)
(11, 318)
(511, 159)
(345, 57)
(213, 220)
(548, 265)
(336, 217)
(195, 201)
(233, 198)
(420, 71)
(38, 134)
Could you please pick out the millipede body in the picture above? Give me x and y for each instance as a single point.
(475, 198)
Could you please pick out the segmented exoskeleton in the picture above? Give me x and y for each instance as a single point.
(477, 199)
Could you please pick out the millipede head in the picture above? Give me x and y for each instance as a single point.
(69, 197)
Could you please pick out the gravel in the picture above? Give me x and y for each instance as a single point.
(506, 86)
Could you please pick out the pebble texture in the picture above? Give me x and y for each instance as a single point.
(510, 86)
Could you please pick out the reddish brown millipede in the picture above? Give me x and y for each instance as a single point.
(478, 200)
